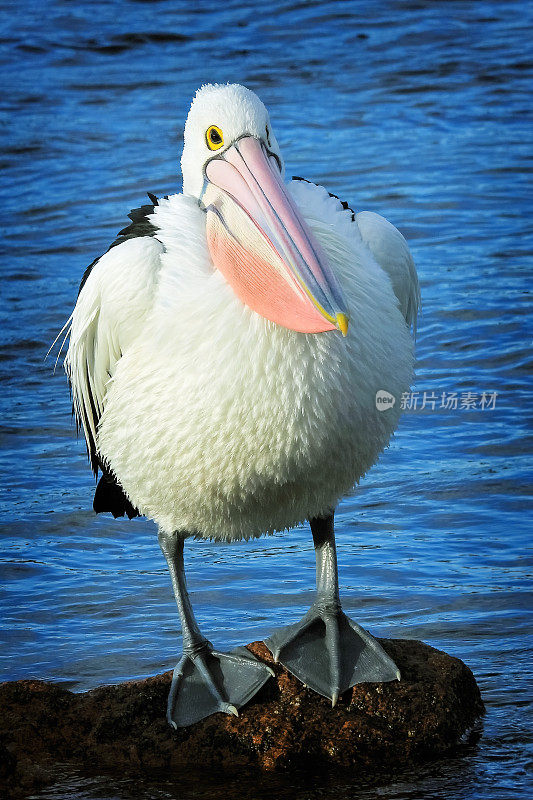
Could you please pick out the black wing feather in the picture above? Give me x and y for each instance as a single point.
(109, 496)
(140, 225)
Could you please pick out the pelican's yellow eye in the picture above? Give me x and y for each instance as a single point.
(214, 138)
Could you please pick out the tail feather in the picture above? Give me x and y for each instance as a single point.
(109, 496)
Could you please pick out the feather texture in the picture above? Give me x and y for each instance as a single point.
(215, 421)
(114, 300)
(391, 251)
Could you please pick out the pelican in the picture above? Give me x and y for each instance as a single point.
(224, 359)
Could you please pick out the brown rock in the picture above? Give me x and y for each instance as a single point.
(375, 731)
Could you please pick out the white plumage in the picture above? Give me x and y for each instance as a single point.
(215, 420)
(215, 389)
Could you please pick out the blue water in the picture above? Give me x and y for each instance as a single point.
(418, 110)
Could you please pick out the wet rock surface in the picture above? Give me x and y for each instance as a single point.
(375, 731)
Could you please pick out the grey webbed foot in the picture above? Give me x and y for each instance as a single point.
(329, 652)
(206, 681)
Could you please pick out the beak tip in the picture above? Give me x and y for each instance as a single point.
(342, 323)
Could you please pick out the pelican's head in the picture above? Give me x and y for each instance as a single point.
(256, 235)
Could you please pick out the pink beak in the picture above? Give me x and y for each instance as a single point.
(260, 242)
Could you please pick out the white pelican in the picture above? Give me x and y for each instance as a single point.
(221, 392)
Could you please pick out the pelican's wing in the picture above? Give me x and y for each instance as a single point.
(391, 251)
(115, 297)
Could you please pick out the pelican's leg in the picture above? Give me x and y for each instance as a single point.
(326, 650)
(204, 681)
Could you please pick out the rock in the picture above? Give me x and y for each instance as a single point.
(375, 731)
